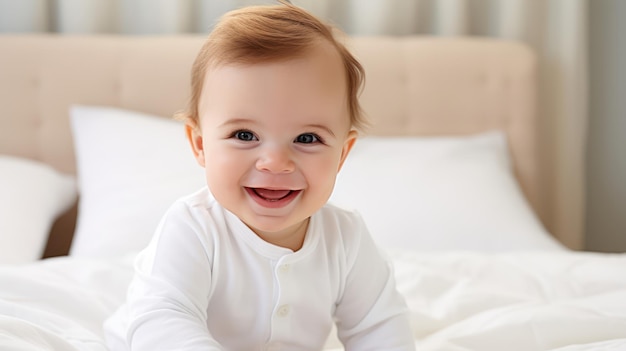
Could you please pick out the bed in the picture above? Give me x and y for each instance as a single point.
(448, 178)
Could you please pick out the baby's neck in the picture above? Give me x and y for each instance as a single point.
(290, 238)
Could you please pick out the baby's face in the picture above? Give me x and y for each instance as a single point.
(273, 137)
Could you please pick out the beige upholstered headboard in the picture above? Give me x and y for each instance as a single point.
(415, 86)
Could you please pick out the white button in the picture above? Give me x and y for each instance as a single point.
(285, 268)
(283, 311)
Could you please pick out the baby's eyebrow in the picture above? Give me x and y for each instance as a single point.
(323, 127)
(237, 121)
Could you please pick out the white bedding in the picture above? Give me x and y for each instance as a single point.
(565, 301)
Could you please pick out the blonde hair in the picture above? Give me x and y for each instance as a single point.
(259, 34)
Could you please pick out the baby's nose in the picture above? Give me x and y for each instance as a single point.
(276, 159)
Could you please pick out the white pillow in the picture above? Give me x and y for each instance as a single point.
(131, 167)
(440, 193)
(33, 195)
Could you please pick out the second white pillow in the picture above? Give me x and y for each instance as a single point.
(440, 194)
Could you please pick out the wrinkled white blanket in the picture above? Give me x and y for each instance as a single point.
(565, 301)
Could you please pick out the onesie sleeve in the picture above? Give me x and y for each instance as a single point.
(168, 297)
(371, 314)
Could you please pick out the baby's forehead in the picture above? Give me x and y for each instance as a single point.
(312, 85)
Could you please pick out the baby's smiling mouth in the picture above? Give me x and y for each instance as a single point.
(272, 198)
(272, 194)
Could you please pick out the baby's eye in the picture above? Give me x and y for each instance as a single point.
(244, 135)
(308, 138)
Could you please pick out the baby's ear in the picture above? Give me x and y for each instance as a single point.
(347, 146)
(194, 135)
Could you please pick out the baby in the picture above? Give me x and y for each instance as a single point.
(258, 260)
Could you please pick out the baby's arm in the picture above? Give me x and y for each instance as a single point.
(168, 298)
(371, 314)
